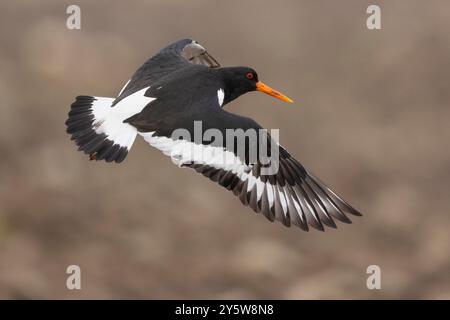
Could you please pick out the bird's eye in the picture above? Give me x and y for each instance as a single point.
(249, 75)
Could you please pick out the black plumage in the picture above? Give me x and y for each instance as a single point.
(183, 84)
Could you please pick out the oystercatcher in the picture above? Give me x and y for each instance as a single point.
(181, 86)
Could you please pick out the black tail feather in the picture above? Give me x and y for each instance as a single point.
(81, 126)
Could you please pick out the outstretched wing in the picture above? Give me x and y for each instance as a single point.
(173, 57)
(293, 195)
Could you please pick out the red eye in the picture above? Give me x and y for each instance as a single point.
(249, 75)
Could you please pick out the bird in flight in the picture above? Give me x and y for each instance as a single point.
(181, 86)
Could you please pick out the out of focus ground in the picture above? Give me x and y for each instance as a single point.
(371, 119)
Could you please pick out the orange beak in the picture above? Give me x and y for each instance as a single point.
(274, 93)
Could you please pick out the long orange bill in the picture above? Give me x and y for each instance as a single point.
(274, 93)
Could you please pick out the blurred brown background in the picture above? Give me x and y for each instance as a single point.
(371, 119)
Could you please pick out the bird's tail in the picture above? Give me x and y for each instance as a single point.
(98, 129)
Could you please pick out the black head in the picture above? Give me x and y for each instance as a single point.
(240, 80)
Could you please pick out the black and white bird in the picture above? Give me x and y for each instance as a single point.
(184, 84)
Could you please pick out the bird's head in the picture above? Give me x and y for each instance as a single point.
(240, 80)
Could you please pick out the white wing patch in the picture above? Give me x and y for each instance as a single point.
(132, 104)
(183, 152)
(109, 119)
(220, 96)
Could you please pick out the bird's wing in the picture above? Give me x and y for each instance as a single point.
(173, 57)
(293, 195)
